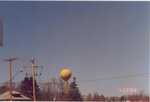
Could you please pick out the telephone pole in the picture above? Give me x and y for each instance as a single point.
(33, 74)
(33, 78)
(10, 60)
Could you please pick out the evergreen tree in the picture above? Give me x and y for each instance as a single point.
(74, 93)
(26, 87)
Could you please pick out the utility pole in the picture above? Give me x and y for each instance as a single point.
(33, 78)
(10, 60)
(33, 74)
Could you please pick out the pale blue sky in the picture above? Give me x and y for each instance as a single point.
(94, 39)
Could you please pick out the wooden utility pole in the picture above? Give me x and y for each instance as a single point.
(33, 74)
(33, 78)
(10, 60)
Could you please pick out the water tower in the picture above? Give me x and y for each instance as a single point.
(65, 74)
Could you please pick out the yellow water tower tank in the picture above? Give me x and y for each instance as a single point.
(65, 73)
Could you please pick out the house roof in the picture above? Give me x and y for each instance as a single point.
(16, 96)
